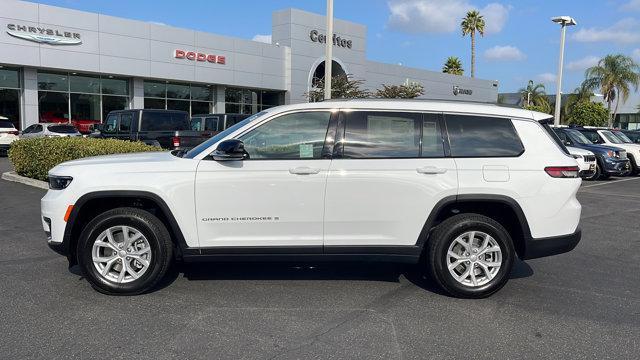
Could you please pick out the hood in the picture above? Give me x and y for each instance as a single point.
(123, 159)
(600, 148)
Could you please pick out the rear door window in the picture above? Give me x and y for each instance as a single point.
(212, 124)
(370, 134)
(482, 136)
(125, 122)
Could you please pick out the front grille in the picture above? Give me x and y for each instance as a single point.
(589, 158)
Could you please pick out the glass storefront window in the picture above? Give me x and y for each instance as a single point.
(111, 103)
(178, 91)
(53, 81)
(115, 86)
(248, 101)
(84, 84)
(155, 89)
(178, 105)
(200, 107)
(203, 93)
(9, 78)
(85, 107)
(54, 106)
(150, 103)
(81, 98)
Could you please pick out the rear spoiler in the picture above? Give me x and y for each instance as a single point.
(546, 121)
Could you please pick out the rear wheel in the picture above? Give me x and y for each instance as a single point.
(470, 255)
(124, 251)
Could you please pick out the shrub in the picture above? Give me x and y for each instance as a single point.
(35, 157)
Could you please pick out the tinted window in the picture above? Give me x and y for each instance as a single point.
(197, 124)
(125, 122)
(25, 131)
(164, 121)
(477, 136)
(382, 135)
(6, 124)
(577, 136)
(212, 124)
(293, 136)
(63, 129)
(37, 129)
(624, 138)
(592, 136)
(612, 138)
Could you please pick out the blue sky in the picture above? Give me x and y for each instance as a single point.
(521, 42)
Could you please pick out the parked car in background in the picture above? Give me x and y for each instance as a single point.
(84, 126)
(606, 137)
(50, 130)
(8, 134)
(169, 129)
(633, 135)
(586, 162)
(610, 161)
(214, 123)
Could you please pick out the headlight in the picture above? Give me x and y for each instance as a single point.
(59, 182)
(610, 153)
(576, 156)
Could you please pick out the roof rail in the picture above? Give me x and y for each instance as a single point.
(478, 102)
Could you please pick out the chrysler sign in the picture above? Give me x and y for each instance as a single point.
(43, 35)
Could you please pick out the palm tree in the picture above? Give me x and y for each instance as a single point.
(470, 24)
(453, 66)
(614, 75)
(533, 94)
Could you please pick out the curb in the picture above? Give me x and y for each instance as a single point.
(13, 176)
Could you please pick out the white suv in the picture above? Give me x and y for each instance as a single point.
(460, 189)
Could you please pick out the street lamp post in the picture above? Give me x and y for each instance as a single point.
(328, 51)
(564, 21)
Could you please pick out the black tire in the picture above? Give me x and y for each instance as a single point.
(634, 165)
(153, 230)
(600, 174)
(596, 174)
(438, 246)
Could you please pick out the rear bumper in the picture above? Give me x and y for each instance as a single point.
(541, 247)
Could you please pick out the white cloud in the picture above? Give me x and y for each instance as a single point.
(442, 16)
(631, 5)
(262, 38)
(546, 78)
(583, 64)
(504, 53)
(624, 31)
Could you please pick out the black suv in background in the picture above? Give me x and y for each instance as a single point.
(169, 129)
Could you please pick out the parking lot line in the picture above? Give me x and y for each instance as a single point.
(610, 183)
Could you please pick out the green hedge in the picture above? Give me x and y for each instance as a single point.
(35, 157)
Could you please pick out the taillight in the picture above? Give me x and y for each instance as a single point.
(562, 171)
(176, 141)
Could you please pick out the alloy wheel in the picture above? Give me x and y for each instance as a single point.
(474, 258)
(121, 254)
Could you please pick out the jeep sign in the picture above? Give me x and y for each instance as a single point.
(457, 90)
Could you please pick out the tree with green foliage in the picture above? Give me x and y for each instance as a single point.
(453, 66)
(588, 113)
(534, 95)
(544, 108)
(404, 91)
(342, 87)
(472, 23)
(614, 76)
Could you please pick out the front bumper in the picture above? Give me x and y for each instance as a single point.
(541, 247)
(617, 167)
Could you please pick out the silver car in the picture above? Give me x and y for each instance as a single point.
(50, 130)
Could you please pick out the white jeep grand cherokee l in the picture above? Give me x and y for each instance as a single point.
(459, 189)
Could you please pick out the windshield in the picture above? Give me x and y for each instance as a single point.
(577, 136)
(614, 139)
(623, 137)
(205, 145)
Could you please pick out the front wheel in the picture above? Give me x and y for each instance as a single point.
(124, 251)
(470, 255)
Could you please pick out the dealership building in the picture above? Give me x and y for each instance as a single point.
(59, 64)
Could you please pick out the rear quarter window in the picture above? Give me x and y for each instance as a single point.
(481, 136)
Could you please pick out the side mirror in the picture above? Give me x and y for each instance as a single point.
(567, 142)
(228, 150)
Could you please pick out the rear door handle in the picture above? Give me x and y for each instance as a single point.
(431, 170)
(303, 170)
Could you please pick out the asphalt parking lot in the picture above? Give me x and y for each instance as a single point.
(584, 304)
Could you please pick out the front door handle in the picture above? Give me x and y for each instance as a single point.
(303, 170)
(431, 170)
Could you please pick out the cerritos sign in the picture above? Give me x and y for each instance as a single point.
(44, 35)
(316, 36)
(198, 56)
